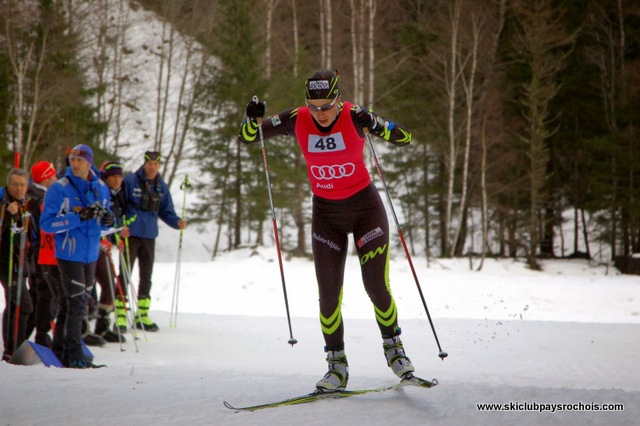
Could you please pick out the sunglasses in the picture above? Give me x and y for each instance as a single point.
(325, 107)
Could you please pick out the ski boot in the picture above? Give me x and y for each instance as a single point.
(396, 357)
(338, 374)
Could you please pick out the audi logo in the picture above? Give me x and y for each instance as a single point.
(335, 171)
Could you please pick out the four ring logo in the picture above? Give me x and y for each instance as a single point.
(335, 171)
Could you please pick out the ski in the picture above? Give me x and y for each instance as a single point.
(319, 395)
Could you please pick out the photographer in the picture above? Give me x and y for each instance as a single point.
(76, 210)
(147, 199)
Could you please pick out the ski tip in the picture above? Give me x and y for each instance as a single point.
(418, 381)
(229, 406)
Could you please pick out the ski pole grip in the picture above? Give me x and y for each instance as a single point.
(256, 100)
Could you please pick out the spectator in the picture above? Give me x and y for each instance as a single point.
(112, 174)
(147, 198)
(15, 210)
(76, 210)
(45, 277)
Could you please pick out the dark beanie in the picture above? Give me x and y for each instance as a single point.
(111, 168)
(152, 156)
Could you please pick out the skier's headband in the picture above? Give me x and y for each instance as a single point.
(322, 88)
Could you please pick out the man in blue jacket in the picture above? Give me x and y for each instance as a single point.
(76, 210)
(147, 199)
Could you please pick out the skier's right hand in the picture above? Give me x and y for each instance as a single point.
(256, 108)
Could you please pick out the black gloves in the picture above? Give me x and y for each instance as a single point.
(256, 108)
(364, 119)
(108, 218)
(96, 211)
(88, 213)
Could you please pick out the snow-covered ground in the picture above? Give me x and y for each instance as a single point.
(568, 335)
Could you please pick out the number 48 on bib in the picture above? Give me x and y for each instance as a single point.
(330, 143)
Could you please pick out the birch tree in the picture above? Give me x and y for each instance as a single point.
(468, 83)
(326, 32)
(21, 52)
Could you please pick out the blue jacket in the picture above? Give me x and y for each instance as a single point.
(75, 240)
(145, 224)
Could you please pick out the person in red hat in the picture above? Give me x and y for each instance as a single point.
(44, 280)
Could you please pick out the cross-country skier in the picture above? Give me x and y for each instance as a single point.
(331, 135)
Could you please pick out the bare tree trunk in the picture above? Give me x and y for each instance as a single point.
(271, 6)
(483, 190)
(299, 190)
(118, 74)
(20, 67)
(296, 38)
(325, 33)
(452, 79)
(328, 16)
(354, 53)
(469, 90)
(323, 40)
(585, 233)
(159, 84)
(372, 6)
(30, 143)
(159, 141)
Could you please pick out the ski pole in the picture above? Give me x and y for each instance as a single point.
(291, 341)
(127, 273)
(9, 285)
(2, 210)
(110, 274)
(173, 319)
(128, 315)
(134, 295)
(442, 354)
(23, 238)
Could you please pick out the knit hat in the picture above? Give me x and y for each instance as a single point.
(323, 84)
(82, 151)
(42, 171)
(111, 168)
(152, 156)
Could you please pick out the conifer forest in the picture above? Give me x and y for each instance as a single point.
(524, 113)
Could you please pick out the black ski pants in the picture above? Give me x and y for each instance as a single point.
(143, 249)
(106, 279)
(364, 216)
(10, 298)
(76, 286)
